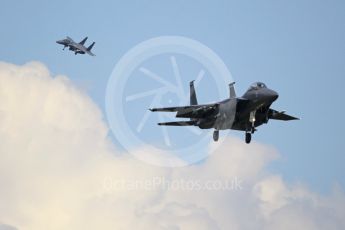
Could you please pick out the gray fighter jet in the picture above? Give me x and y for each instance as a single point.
(77, 48)
(238, 113)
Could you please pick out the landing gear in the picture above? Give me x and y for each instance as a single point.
(248, 137)
(251, 131)
(252, 119)
(216, 135)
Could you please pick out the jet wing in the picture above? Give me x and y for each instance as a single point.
(190, 111)
(276, 115)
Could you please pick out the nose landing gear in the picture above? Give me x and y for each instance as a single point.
(251, 131)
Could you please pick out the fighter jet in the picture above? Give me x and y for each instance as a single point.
(77, 48)
(244, 113)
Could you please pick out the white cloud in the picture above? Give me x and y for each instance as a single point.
(6, 227)
(58, 170)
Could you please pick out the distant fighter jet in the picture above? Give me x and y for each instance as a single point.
(238, 113)
(78, 48)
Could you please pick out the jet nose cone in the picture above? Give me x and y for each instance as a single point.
(274, 95)
(59, 42)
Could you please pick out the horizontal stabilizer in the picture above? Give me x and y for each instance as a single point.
(167, 109)
(177, 108)
(90, 53)
(178, 123)
(183, 108)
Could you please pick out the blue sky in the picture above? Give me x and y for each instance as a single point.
(295, 47)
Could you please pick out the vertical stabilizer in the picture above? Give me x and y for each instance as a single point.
(232, 90)
(90, 47)
(193, 99)
(83, 41)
